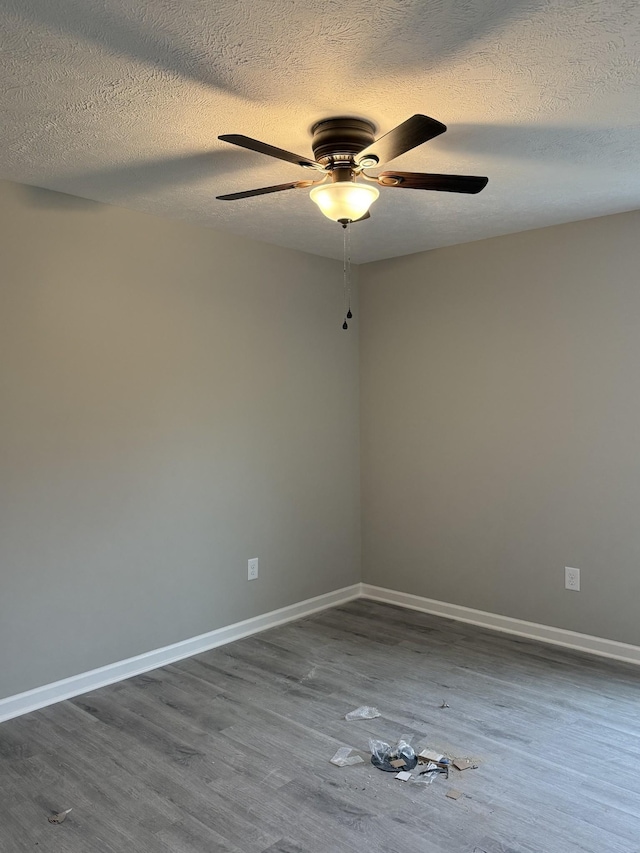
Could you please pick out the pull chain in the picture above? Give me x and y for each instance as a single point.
(346, 271)
(345, 325)
(348, 236)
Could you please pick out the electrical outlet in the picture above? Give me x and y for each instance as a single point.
(572, 579)
(253, 569)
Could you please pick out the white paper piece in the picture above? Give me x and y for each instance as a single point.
(364, 712)
(343, 757)
(403, 775)
(430, 755)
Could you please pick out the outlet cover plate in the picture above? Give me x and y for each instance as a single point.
(572, 579)
(253, 569)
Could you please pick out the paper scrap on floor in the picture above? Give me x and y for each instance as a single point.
(465, 764)
(343, 757)
(428, 755)
(364, 712)
(454, 795)
(59, 817)
(403, 775)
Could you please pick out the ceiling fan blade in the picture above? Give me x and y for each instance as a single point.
(414, 131)
(270, 150)
(366, 216)
(443, 183)
(264, 190)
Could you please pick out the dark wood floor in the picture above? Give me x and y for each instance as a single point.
(229, 751)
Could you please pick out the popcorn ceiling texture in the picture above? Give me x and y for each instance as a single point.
(121, 101)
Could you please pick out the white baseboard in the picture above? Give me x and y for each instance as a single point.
(67, 688)
(521, 628)
(76, 685)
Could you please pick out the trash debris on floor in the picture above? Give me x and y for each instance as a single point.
(59, 817)
(392, 759)
(364, 712)
(432, 770)
(427, 755)
(402, 759)
(445, 704)
(404, 775)
(465, 764)
(344, 758)
(428, 775)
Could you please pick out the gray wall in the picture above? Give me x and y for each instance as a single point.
(500, 414)
(173, 401)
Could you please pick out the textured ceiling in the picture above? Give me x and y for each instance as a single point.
(122, 101)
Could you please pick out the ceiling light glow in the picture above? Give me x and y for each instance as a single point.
(345, 200)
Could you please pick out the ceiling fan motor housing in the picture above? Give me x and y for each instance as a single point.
(336, 139)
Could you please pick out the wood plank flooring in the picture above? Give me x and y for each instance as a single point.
(229, 751)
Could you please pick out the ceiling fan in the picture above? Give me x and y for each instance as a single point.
(343, 149)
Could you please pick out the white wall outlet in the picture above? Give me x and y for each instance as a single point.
(572, 578)
(253, 569)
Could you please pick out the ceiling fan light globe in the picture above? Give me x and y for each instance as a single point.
(344, 200)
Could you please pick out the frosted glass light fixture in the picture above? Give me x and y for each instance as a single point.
(344, 201)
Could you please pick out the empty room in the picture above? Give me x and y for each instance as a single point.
(320, 426)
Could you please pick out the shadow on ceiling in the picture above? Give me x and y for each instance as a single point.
(203, 44)
(551, 143)
(414, 34)
(119, 182)
(144, 35)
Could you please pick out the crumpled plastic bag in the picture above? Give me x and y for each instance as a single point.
(430, 772)
(364, 712)
(382, 755)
